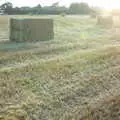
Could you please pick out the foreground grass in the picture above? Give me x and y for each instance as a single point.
(67, 86)
(67, 78)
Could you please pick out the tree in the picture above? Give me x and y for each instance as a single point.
(96, 11)
(38, 6)
(56, 4)
(36, 9)
(7, 7)
(79, 8)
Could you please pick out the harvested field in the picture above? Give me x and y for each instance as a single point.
(75, 76)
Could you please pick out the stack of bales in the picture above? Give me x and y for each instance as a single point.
(31, 30)
(105, 20)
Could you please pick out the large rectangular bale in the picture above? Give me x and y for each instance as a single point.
(31, 30)
(105, 20)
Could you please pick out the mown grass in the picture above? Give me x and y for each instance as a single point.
(68, 78)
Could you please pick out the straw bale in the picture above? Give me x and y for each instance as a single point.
(22, 30)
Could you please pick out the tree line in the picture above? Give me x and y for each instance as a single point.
(55, 9)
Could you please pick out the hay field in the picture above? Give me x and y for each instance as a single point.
(76, 76)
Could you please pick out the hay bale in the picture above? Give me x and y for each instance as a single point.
(4, 19)
(31, 30)
(105, 20)
(116, 21)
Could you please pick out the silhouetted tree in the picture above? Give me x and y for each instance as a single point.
(7, 7)
(75, 8)
(56, 4)
(36, 9)
(79, 8)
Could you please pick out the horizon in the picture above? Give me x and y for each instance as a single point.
(99, 3)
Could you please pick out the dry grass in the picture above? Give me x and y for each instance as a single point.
(107, 110)
(72, 77)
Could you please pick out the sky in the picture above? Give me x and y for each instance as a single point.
(109, 4)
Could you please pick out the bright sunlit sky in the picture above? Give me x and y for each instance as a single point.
(109, 4)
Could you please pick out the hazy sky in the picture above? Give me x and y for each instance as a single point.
(103, 3)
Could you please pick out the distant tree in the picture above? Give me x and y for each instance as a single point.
(54, 10)
(79, 8)
(36, 9)
(7, 7)
(16, 10)
(38, 6)
(96, 11)
(25, 10)
(56, 4)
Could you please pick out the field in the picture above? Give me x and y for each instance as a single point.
(76, 76)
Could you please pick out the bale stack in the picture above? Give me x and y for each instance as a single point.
(31, 30)
(105, 21)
